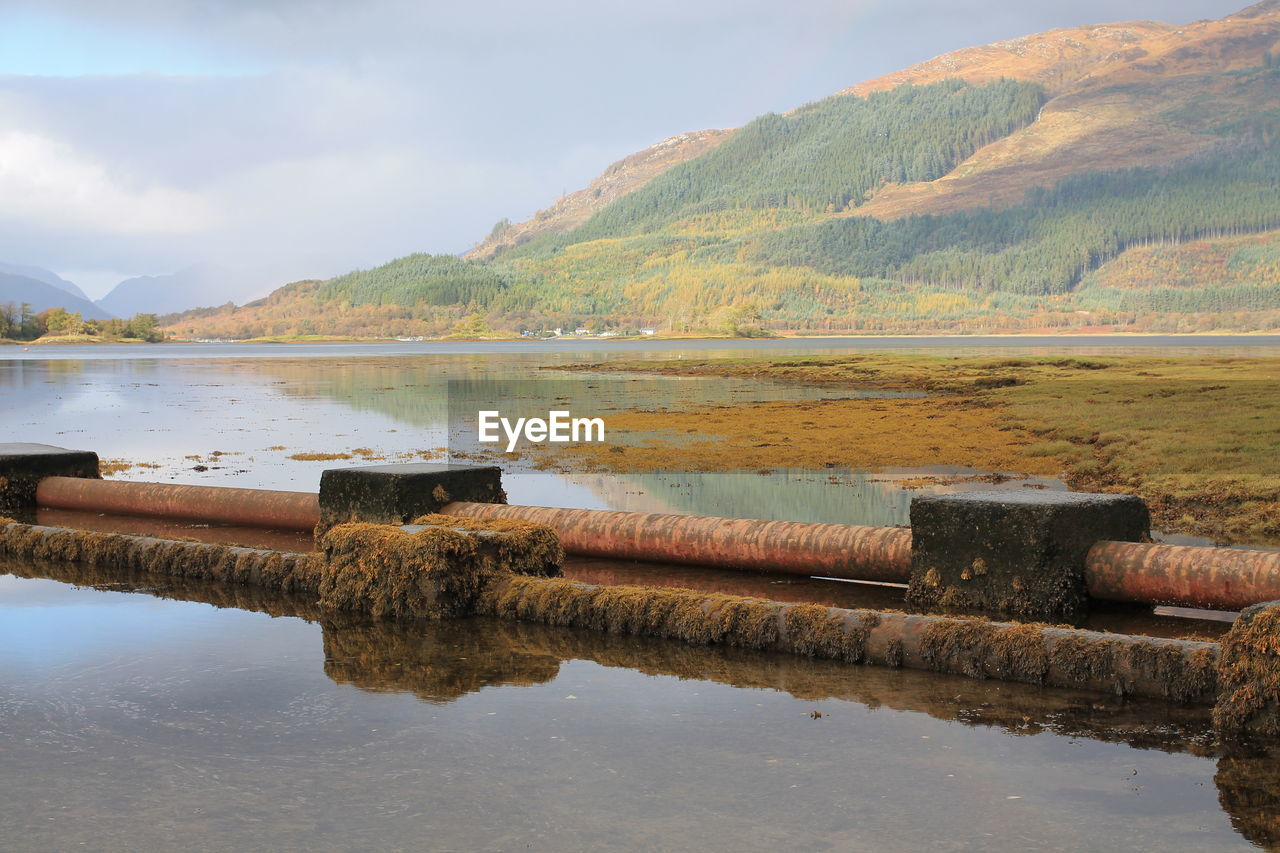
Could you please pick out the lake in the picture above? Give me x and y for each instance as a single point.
(140, 712)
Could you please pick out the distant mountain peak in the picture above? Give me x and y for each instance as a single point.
(40, 295)
(42, 274)
(190, 287)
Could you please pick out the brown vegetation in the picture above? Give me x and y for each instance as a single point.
(1195, 437)
(439, 570)
(1250, 673)
(859, 433)
(1030, 654)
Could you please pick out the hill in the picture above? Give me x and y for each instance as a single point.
(40, 296)
(1020, 185)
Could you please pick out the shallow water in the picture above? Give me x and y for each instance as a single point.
(140, 722)
(155, 720)
(175, 406)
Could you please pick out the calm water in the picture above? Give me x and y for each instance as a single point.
(135, 715)
(257, 405)
(155, 721)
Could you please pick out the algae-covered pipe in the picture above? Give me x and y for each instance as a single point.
(1042, 654)
(250, 507)
(1217, 578)
(832, 550)
(1182, 670)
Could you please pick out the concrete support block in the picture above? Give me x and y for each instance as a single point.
(395, 494)
(1015, 553)
(1249, 674)
(23, 466)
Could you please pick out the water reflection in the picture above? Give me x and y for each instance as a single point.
(1249, 790)
(442, 661)
(232, 721)
(259, 413)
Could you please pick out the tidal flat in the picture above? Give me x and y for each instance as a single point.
(1198, 438)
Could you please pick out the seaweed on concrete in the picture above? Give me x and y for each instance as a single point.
(524, 547)
(1249, 673)
(231, 564)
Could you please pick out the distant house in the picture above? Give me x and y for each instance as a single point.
(648, 331)
(582, 330)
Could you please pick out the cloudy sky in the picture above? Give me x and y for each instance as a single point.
(291, 139)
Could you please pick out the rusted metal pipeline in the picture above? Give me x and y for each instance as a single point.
(1216, 578)
(249, 507)
(831, 550)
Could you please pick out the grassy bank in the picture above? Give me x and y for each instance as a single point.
(1198, 438)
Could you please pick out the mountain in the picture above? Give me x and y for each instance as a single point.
(41, 295)
(42, 274)
(167, 294)
(1062, 180)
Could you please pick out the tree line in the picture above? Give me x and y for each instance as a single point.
(19, 323)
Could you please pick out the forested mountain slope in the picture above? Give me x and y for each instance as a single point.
(989, 189)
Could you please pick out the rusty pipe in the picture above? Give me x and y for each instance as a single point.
(249, 507)
(1216, 578)
(831, 550)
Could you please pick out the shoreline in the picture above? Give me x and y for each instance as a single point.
(732, 339)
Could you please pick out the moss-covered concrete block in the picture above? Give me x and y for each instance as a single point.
(394, 494)
(1249, 673)
(23, 466)
(1016, 553)
(432, 569)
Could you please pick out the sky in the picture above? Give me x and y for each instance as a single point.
(283, 139)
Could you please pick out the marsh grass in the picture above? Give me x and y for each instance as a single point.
(1198, 438)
